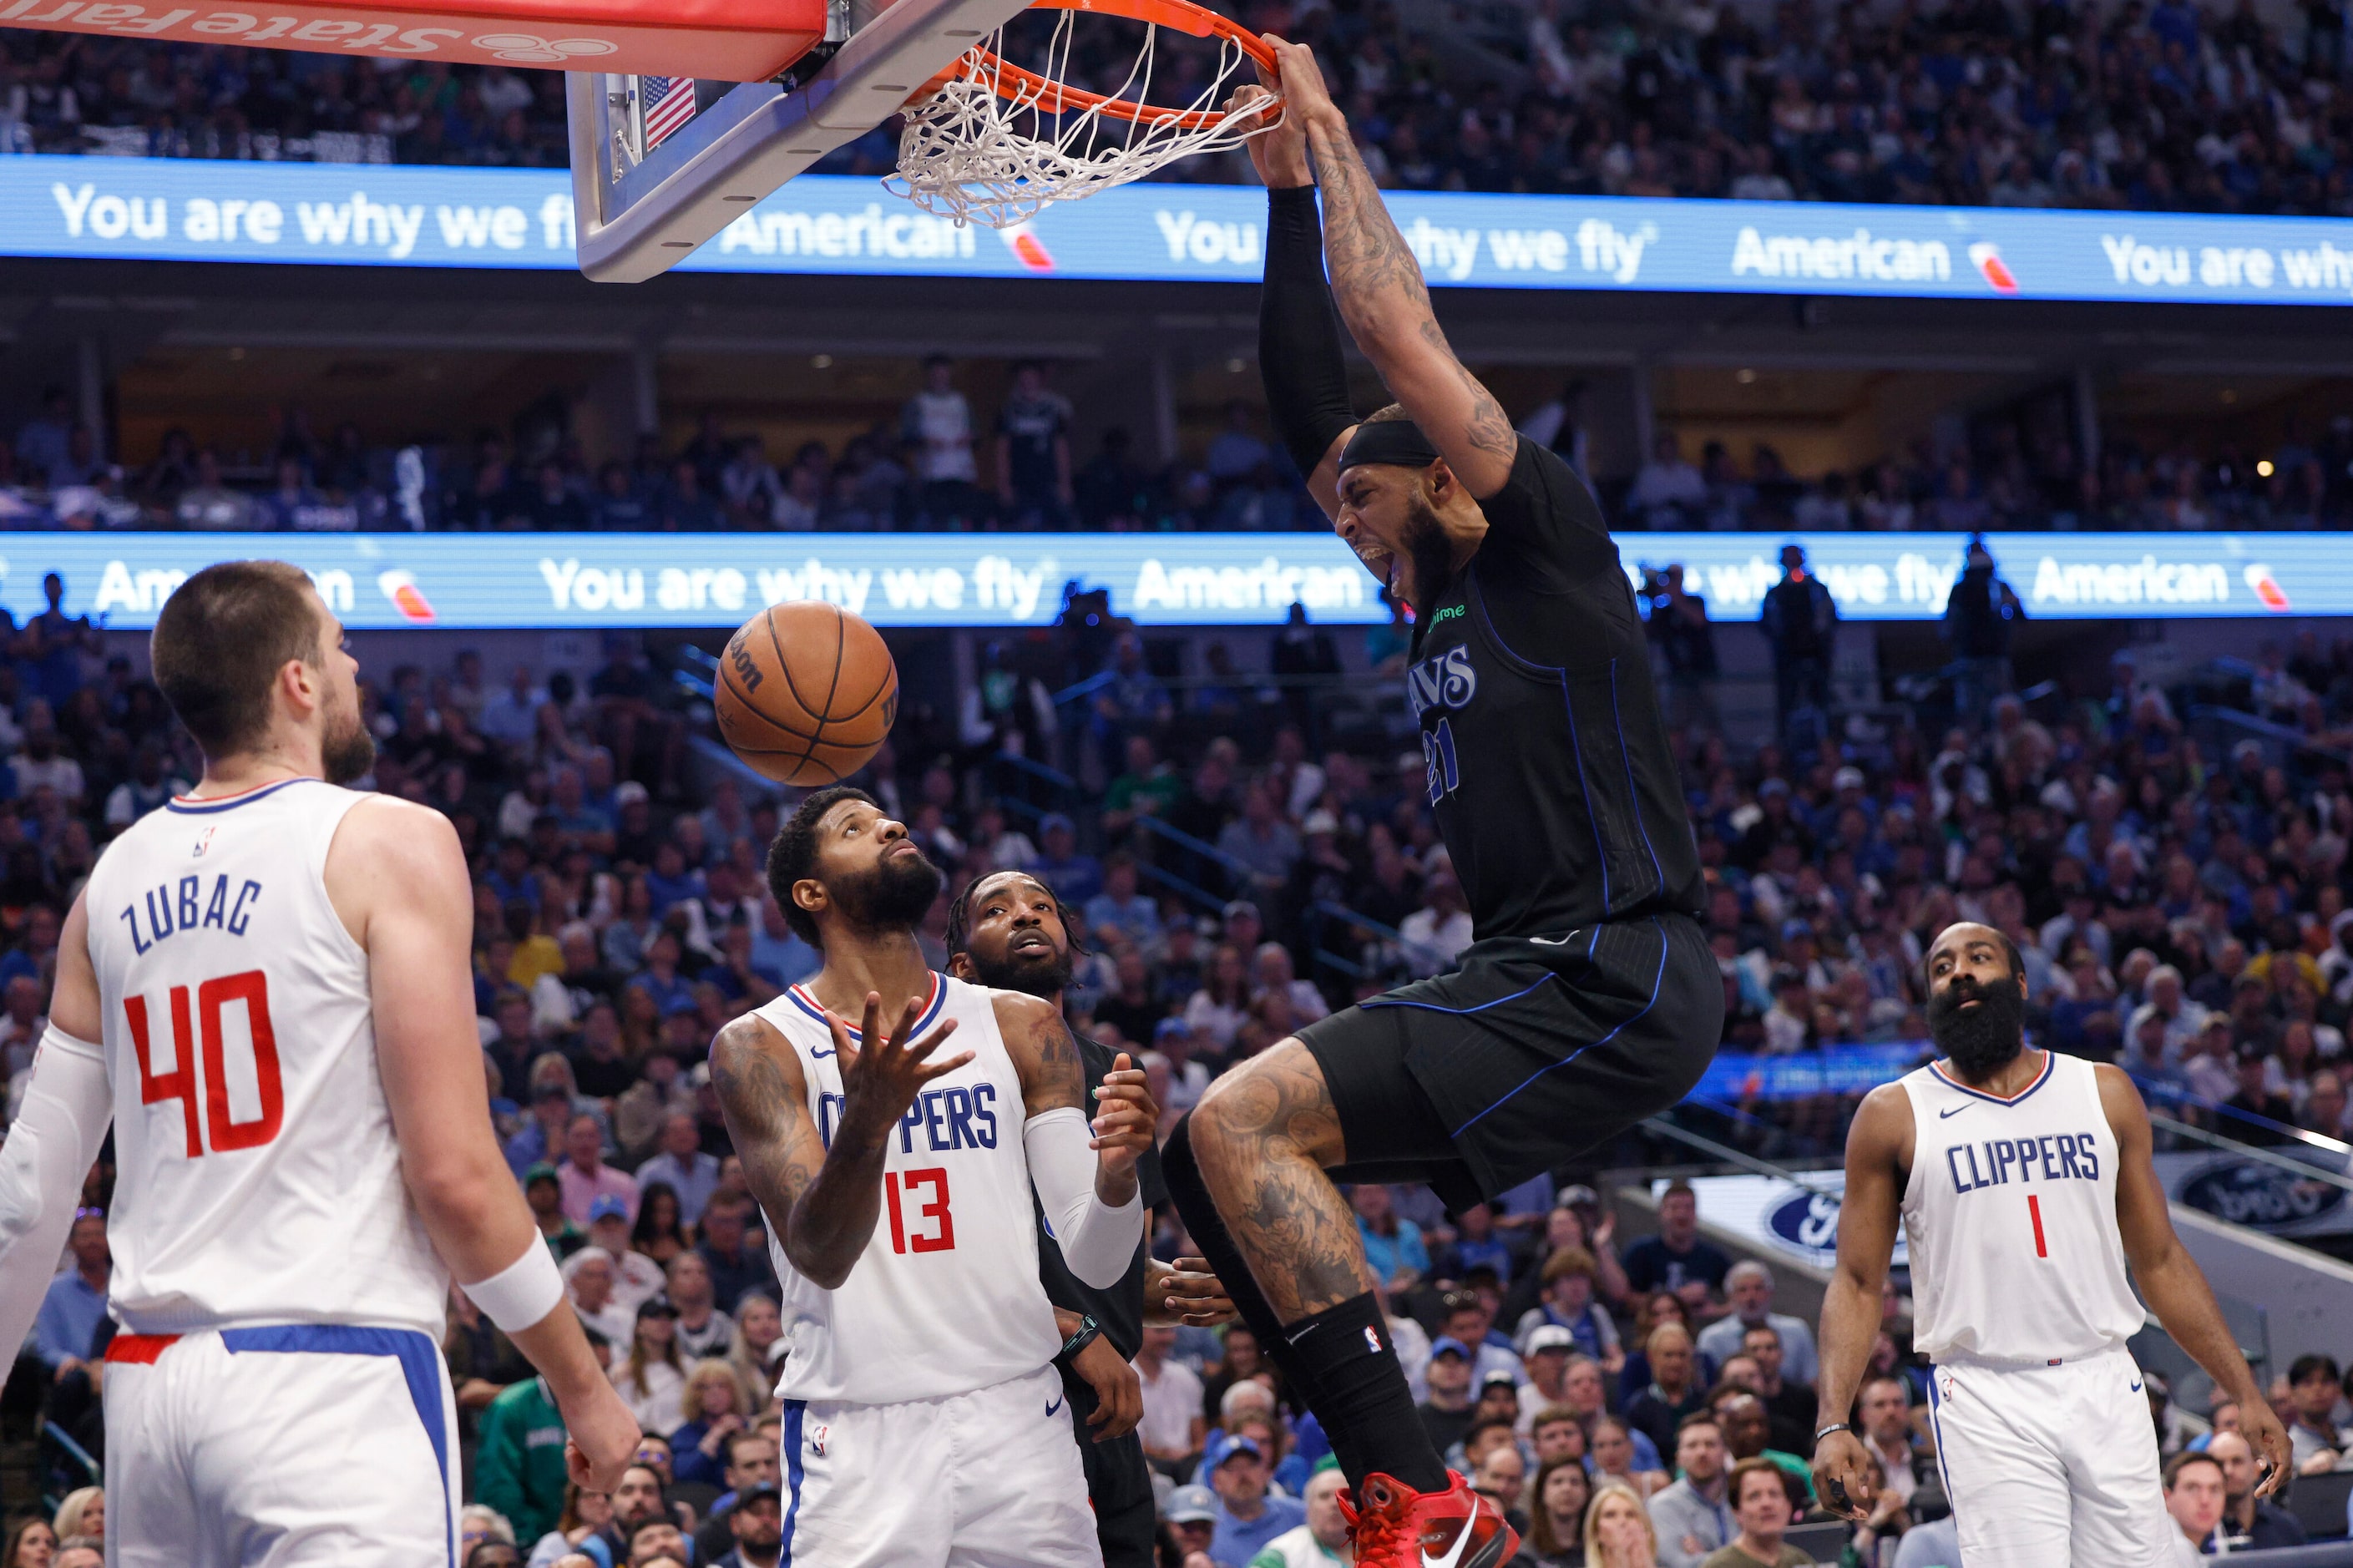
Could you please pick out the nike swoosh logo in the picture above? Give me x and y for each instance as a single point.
(1554, 941)
(1455, 1553)
(1303, 1334)
(828, 1051)
(1947, 1115)
(2135, 1388)
(1056, 1405)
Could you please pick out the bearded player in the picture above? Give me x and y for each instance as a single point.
(2025, 1187)
(1590, 999)
(265, 987)
(924, 1422)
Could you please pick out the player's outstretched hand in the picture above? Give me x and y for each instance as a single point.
(602, 1441)
(1305, 97)
(1119, 1392)
(1190, 1293)
(1126, 1120)
(881, 1078)
(2262, 1429)
(1842, 1476)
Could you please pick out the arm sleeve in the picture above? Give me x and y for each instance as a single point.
(1299, 353)
(49, 1152)
(1098, 1243)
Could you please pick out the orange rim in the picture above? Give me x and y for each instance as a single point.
(1054, 97)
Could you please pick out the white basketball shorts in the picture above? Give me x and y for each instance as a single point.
(2050, 1467)
(986, 1479)
(268, 1448)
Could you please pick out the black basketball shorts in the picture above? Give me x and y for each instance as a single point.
(1533, 1051)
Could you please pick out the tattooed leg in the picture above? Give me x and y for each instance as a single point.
(1264, 1135)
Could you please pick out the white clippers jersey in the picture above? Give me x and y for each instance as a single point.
(2011, 1214)
(257, 1179)
(945, 1298)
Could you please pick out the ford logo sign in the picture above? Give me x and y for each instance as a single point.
(1804, 1221)
(2251, 1193)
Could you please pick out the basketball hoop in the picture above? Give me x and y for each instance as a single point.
(992, 142)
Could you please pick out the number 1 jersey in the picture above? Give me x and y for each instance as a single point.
(945, 1297)
(258, 1179)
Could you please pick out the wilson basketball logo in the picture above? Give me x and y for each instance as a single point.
(747, 668)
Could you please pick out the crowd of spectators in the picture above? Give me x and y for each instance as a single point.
(2151, 107)
(1239, 872)
(945, 462)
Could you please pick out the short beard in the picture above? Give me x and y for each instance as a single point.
(1427, 547)
(894, 896)
(1045, 977)
(348, 755)
(1979, 1044)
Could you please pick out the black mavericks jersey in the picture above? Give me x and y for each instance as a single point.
(1549, 767)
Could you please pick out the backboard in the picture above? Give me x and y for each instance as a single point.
(638, 209)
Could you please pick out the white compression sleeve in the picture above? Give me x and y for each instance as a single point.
(1098, 1243)
(49, 1152)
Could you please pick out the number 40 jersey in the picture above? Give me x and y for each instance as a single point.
(258, 1179)
(945, 1297)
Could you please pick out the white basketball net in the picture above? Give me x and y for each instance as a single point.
(975, 153)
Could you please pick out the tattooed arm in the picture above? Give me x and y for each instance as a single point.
(1097, 1221)
(821, 1203)
(1382, 298)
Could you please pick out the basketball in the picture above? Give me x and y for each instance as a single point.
(806, 693)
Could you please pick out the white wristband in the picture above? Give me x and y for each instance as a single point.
(522, 1292)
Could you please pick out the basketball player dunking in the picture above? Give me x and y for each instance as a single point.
(265, 987)
(925, 1423)
(1590, 999)
(2024, 1183)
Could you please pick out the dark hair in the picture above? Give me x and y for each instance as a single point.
(644, 1231)
(220, 641)
(661, 1516)
(1706, 1417)
(792, 857)
(2009, 948)
(2183, 1460)
(959, 934)
(2304, 1365)
(1754, 1465)
(742, 1435)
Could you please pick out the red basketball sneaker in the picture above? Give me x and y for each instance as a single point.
(1393, 1526)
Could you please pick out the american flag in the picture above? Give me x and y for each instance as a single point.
(670, 103)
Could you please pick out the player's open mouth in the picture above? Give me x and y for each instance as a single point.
(1378, 562)
(1028, 940)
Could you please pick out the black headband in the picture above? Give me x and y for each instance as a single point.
(1396, 441)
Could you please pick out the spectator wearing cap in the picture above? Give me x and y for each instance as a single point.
(652, 1376)
(1446, 1411)
(585, 1176)
(542, 1190)
(1240, 928)
(682, 1167)
(1578, 1321)
(1192, 1516)
(1543, 1356)
(1247, 1516)
(1394, 1249)
(757, 1524)
(2262, 1118)
(636, 1277)
(1748, 1284)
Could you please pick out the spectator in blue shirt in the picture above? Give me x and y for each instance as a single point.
(779, 957)
(683, 1165)
(1248, 1518)
(1393, 1246)
(671, 992)
(1477, 1245)
(74, 1306)
(1075, 878)
(1676, 1258)
(1121, 913)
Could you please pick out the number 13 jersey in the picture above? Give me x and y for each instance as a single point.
(945, 1297)
(258, 1179)
(2010, 1217)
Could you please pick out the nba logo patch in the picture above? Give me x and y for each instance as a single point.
(817, 1441)
(1372, 1340)
(204, 842)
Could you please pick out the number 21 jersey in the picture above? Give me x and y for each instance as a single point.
(258, 1178)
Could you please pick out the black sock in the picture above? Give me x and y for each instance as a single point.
(1361, 1397)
